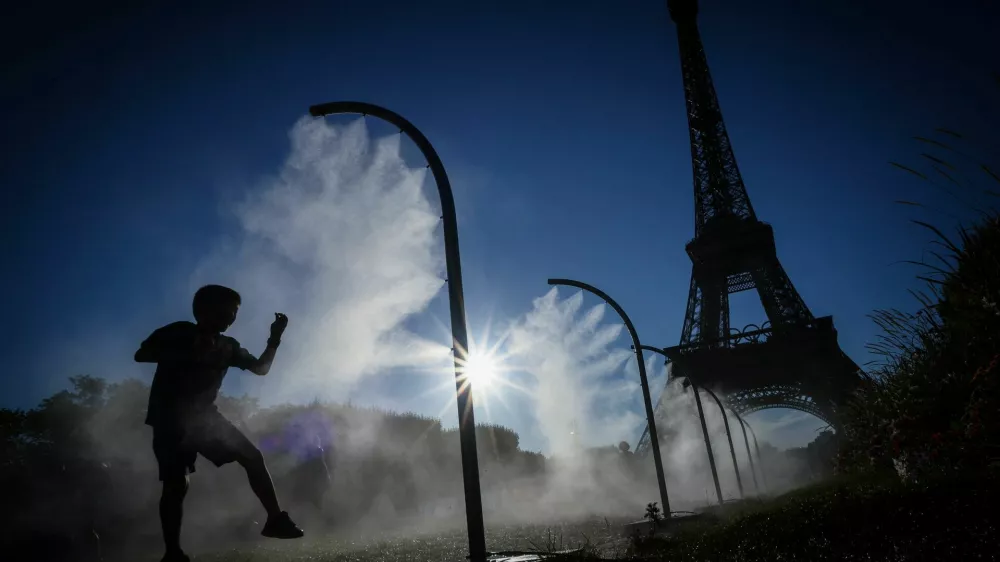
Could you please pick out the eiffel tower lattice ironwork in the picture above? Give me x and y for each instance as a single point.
(792, 360)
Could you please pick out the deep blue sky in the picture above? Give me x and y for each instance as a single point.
(562, 125)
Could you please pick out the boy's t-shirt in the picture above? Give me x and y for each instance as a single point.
(188, 384)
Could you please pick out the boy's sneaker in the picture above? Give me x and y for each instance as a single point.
(281, 527)
(176, 557)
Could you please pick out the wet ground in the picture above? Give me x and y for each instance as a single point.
(602, 534)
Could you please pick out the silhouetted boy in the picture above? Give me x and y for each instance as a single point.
(192, 360)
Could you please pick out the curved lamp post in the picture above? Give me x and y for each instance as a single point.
(760, 461)
(466, 415)
(657, 461)
(743, 426)
(708, 442)
(704, 428)
(729, 437)
(753, 470)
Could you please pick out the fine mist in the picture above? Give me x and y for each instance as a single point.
(581, 398)
(573, 363)
(587, 398)
(344, 241)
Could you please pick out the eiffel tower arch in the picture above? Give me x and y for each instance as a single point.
(791, 360)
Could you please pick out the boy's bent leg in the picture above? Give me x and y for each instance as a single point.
(260, 480)
(279, 525)
(225, 444)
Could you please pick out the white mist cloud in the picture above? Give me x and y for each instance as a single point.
(579, 380)
(344, 241)
(685, 458)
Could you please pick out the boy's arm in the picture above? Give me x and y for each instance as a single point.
(256, 365)
(262, 365)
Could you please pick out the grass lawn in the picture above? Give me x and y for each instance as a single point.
(849, 520)
(871, 520)
(431, 547)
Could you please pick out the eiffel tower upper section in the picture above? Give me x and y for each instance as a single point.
(792, 360)
(719, 193)
(732, 250)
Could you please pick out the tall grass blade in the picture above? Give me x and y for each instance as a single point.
(947, 176)
(933, 268)
(991, 173)
(933, 158)
(934, 142)
(908, 169)
(951, 245)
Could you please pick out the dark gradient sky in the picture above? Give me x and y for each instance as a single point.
(129, 130)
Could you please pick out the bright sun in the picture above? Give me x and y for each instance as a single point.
(483, 371)
(480, 370)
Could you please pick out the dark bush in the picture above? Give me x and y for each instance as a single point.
(848, 519)
(930, 407)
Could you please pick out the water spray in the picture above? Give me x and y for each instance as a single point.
(637, 348)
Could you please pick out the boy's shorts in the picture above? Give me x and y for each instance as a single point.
(210, 434)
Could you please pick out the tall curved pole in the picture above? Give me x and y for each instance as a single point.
(729, 436)
(760, 461)
(704, 426)
(708, 441)
(753, 470)
(657, 461)
(456, 299)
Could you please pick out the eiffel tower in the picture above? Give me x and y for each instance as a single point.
(792, 360)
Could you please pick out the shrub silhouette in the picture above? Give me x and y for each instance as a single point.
(930, 406)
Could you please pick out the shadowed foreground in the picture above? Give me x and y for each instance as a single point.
(845, 519)
(874, 520)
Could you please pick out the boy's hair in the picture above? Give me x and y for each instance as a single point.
(210, 297)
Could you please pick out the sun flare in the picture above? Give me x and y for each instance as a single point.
(481, 370)
(484, 374)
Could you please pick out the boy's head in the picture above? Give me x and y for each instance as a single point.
(215, 307)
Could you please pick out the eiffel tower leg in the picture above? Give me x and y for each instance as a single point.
(715, 312)
(780, 300)
(707, 315)
(692, 317)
